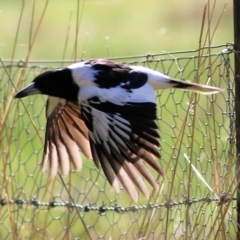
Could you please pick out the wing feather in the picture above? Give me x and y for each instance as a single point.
(132, 173)
(66, 132)
(122, 175)
(70, 144)
(62, 154)
(122, 142)
(141, 167)
(106, 167)
(94, 153)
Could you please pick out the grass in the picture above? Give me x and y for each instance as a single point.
(196, 154)
(133, 28)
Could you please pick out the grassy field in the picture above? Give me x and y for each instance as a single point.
(74, 30)
(126, 27)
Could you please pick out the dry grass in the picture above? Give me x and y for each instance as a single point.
(146, 223)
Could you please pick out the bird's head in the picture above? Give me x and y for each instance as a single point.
(56, 83)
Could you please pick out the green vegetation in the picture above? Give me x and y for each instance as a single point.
(108, 28)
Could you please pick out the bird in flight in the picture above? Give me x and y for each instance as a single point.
(108, 111)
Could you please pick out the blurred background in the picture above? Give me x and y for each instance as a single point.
(197, 197)
(109, 28)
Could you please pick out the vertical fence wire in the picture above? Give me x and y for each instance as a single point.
(236, 19)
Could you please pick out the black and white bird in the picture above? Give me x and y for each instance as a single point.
(107, 110)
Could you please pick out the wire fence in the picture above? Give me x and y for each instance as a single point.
(196, 199)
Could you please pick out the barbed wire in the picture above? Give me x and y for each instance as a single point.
(148, 58)
(116, 208)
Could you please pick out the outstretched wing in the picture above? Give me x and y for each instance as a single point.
(114, 125)
(122, 138)
(66, 132)
(120, 115)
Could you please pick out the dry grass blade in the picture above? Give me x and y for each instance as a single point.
(199, 174)
(213, 141)
(67, 37)
(80, 9)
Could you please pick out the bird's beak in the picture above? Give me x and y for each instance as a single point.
(27, 91)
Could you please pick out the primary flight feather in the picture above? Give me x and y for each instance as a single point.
(107, 110)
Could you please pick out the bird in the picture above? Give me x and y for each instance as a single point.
(107, 110)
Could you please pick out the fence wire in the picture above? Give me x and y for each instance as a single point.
(196, 199)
